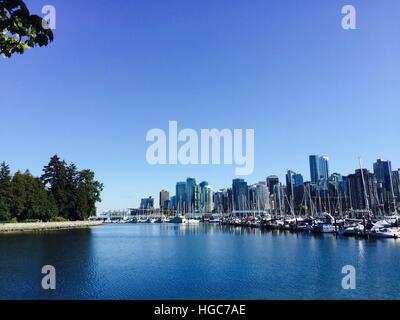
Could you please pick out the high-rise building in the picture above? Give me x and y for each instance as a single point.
(271, 182)
(190, 194)
(259, 197)
(363, 190)
(173, 202)
(396, 185)
(203, 195)
(319, 168)
(295, 189)
(147, 203)
(164, 196)
(277, 198)
(209, 199)
(383, 175)
(181, 196)
(240, 194)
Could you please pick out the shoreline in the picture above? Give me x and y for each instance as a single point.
(47, 226)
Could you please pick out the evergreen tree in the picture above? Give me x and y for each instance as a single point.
(61, 191)
(5, 192)
(54, 178)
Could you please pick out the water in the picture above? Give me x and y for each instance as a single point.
(161, 261)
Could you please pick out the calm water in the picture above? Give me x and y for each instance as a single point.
(154, 261)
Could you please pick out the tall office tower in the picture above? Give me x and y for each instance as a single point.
(164, 196)
(295, 189)
(190, 194)
(363, 190)
(396, 185)
(173, 203)
(181, 196)
(203, 195)
(383, 175)
(219, 198)
(209, 199)
(279, 203)
(240, 194)
(259, 197)
(319, 168)
(147, 203)
(271, 182)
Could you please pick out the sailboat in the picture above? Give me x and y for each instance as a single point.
(179, 218)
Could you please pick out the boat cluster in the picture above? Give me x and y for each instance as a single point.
(325, 223)
(378, 227)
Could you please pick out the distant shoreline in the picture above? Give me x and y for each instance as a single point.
(44, 226)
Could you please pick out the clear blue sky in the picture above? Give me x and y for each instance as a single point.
(285, 68)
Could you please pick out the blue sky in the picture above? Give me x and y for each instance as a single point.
(285, 68)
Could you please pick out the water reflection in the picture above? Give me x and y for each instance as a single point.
(167, 261)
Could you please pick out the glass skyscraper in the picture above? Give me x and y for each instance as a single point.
(240, 194)
(319, 168)
(180, 195)
(383, 174)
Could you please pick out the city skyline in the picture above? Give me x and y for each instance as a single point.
(381, 185)
(287, 70)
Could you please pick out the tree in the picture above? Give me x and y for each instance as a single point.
(88, 194)
(75, 192)
(19, 30)
(5, 192)
(54, 178)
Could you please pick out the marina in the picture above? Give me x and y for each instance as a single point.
(368, 226)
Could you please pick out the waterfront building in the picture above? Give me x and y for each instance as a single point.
(190, 194)
(164, 196)
(319, 168)
(259, 197)
(180, 195)
(147, 203)
(219, 201)
(278, 198)
(203, 195)
(295, 189)
(363, 195)
(209, 199)
(197, 198)
(383, 175)
(240, 195)
(173, 202)
(271, 182)
(396, 185)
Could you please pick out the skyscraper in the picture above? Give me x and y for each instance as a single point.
(319, 168)
(180, 196)
(383, 175)
(147, 203)
(271, 182)
(240, 194)
(363, 194)
(164, 196)
(190, 194)
(295, 189)
(396, 185)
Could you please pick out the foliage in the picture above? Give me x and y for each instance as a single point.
(19, 30)
(61, 193)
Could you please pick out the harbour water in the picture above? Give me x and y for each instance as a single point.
(171, 261)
